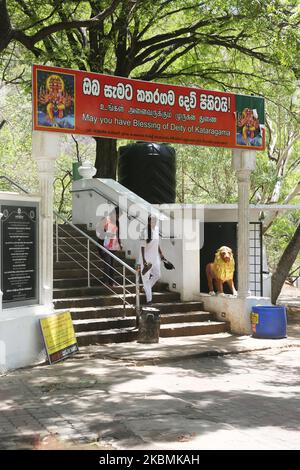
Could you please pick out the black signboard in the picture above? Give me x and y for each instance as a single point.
(19, 253)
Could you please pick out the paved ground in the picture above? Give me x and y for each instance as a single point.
(111, 398)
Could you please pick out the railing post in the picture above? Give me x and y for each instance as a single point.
(56, 237)
(137, 294)
(124, 292)
(88, 262)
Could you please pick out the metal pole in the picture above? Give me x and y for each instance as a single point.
(88, 262)
(137, 294)
(56, 237)
(124, 293)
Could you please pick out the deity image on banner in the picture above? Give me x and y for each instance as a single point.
(249, 121)
(55, 99)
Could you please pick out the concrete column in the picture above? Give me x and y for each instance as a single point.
(243, 177)
(243, 161)
(45, 150)
(1, 293)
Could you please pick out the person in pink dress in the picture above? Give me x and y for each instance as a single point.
(113, 244)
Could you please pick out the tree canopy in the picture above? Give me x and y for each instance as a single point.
(146, 39)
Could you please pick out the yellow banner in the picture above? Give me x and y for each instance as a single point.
(58, 332)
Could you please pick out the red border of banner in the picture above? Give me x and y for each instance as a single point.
(113, 116)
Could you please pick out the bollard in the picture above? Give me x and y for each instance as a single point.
(149, 325)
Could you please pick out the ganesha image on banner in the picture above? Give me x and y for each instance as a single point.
(248, 128)
(56, 101)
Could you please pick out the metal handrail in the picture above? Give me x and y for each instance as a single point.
(2, 177)
(89, 239)
(95, 243)
(90, 274)
(88, 259)
(125, 265)
(83, 245)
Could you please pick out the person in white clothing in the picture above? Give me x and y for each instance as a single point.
(150, 257)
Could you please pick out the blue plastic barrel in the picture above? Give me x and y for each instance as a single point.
(268, 321)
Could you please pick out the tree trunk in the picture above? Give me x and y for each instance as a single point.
(106, 158)
(285, 263)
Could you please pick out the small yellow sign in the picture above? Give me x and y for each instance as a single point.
(59, 336)
(255, 318)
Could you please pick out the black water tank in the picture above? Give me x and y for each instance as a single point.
(149, 170)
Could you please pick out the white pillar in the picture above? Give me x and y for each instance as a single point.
(243, 161)
(1, 293)
(45, 150)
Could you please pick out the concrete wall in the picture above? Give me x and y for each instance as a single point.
(90, 197)
(21, 342)
(233, 309)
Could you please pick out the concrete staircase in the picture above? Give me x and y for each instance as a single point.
(98, 315)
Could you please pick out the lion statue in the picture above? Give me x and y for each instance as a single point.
(221, 270)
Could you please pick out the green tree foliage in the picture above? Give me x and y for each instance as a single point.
(205, 175)
(155, 40)
(15, 144)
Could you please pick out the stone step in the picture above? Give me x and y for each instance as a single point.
(97, 262)
(80, 272)
(94, 301)
(85, 338)
(70, 236)
(130, 321)
(62, 234)
(104, 311)
(74, 246)
(111, 311)
(90, 291)
(193, 329)
(69, 228)
(73, 239)
(74, 254)
(67, 244)
(104, 324)
(183, 317)
(95, 267)
(83, 291)
(82, 283)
